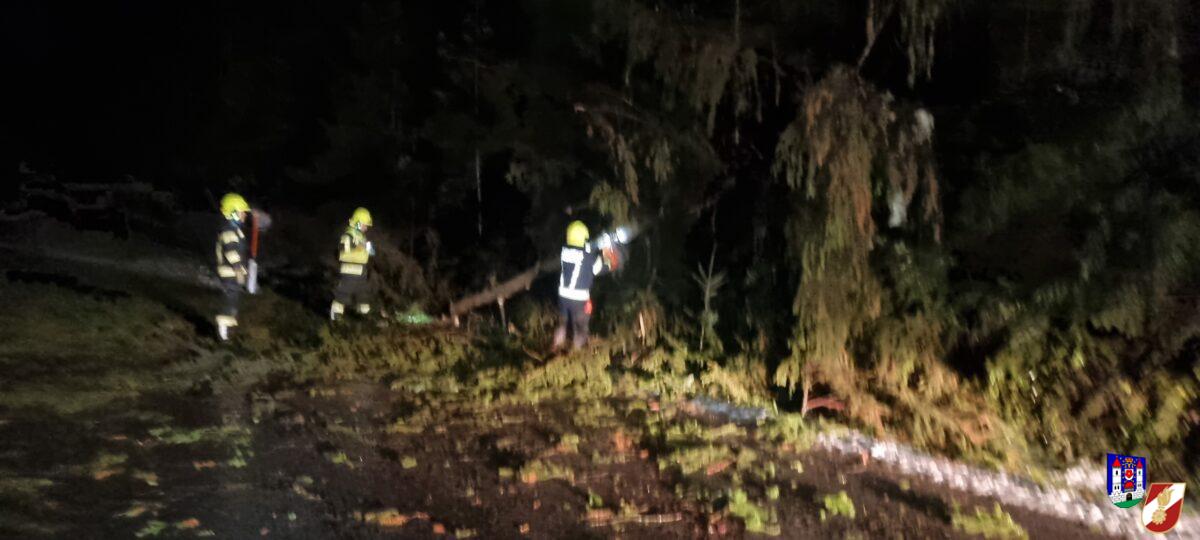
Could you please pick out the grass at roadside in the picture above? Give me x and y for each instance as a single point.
(605, 439)
(95, 383)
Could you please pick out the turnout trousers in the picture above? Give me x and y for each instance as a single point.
(574, 314)
(231, 295)
(351, 290)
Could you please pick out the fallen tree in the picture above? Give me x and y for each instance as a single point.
(499, 292)
(502, 291)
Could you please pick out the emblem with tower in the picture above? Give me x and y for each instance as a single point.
(1126, 480)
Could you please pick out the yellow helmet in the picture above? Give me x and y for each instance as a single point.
(361, 216)
(232, 204)
(577, 234)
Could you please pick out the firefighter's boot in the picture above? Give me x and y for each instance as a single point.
(225, 323)
(560, 337)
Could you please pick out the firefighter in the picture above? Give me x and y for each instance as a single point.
(353, 254)
(581, 263)
(231, 260)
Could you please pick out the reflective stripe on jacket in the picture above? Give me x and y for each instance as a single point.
(231, 251)
(579, 267)
(352, 252)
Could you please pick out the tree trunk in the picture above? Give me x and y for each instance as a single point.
(515, 285)
(478, 194)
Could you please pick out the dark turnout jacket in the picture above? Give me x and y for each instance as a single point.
(579, 267)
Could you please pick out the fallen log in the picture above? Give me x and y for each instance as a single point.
(502, 291)
(521, 282)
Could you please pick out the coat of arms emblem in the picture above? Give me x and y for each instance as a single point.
(1126, 480)
(1164, 504)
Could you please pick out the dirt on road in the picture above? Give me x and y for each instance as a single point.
(120, 418)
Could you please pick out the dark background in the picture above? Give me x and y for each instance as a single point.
(1067, 149)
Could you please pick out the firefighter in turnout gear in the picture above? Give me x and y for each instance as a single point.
(231, 260)
(354, 252)
(581, 262)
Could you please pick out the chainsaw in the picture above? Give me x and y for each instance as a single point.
(614, 247)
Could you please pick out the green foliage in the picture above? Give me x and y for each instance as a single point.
(641, 321)
(758, 519)
(20, 488)
(788, 428)
(710, 284)
(871, 322)
(535, 320)
(696, 459)
(74, 331)
(105, 464)
(702, 77)
(918, 20)
(582, 375)
(339, 458)
(541, 471)
(828, 156)
(692, 432)
(569, 443)
(72, 355)
(838, 504)
(235, 435)
(741, 380)
(153, 529)
(1090, 331)
(994, 524)
(611, 202)
(400, 280)
(405, 356)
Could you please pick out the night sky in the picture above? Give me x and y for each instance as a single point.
(202, 91)
(148, 88)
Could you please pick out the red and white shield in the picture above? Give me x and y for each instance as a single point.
(1162, 506)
